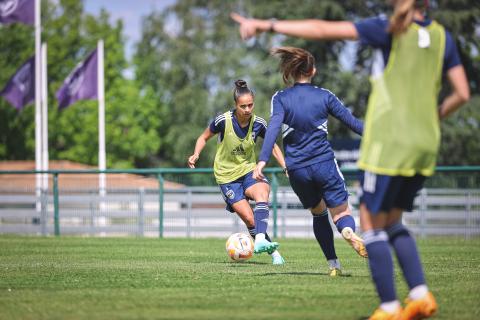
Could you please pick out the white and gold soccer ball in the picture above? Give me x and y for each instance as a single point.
(239, 247)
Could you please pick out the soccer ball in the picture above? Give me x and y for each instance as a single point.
(239, 247)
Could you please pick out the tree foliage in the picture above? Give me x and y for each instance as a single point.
(73, 133)
(191, 54)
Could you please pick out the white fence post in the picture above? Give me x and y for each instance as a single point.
(189, 212)
(141, 211)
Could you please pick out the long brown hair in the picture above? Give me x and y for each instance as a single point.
(294, 62)
(402, 16)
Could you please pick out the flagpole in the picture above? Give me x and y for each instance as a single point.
(101, 119)
(38, 114)
(44, 116)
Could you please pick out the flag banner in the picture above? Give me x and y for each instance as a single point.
(20, 89)
(80, 84)
(17, 11)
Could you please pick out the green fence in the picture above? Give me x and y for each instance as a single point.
(456, 189)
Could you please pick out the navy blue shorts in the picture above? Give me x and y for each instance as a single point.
(383, 193)
(235, 191)
(319, 181)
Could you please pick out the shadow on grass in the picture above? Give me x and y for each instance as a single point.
(303, 274)
(244, 263)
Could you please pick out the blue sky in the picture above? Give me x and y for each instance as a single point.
(131, 12)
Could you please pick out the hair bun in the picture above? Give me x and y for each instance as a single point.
(241, 84)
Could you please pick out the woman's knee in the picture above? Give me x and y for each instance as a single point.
(260, 192)
(319, 208)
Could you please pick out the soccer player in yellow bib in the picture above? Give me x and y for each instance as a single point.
(235, 160)
(401, 135)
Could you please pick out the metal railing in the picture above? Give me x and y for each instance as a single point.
(447, 205)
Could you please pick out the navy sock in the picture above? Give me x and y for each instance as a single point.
(251, 231)
(267, 237)
(345, 221)
(324, 235)
(261, 213)
(381, 264)
(407, 254)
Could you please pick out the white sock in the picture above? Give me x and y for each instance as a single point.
(390, 306)
(260, 236)
(334, 263)
(276, 254)
(418, 292)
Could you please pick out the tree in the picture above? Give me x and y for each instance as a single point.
(73, 133)
(192, 53)
(185, 65)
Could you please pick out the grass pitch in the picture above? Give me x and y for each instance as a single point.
(129, 278)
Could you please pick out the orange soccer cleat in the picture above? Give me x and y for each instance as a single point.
(421, 308)
(380, 314)
(355, 241)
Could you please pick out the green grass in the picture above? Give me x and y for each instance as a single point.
(128, 278)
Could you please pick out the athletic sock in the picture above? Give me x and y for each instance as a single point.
(267, 237)
(418, 292)
(260, 236)
(381, 264)
(275, 254)
(251, 231)
(345, 221)
(324, 235)
(407, 254)
(390, 306)
(334, 263)
(261, 213)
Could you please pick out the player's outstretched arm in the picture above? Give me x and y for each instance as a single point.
(460, 94)
(199, 145)
(309, 29)
(339, 111)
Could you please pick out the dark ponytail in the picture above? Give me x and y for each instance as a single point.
(294, 62)
(241, 88)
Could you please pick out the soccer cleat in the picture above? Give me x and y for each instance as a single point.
(380, 314)
(278, 260)
(263, 245)
(355, 241)
(335, 272)
(421, 308)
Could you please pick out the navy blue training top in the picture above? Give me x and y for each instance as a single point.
(373, 32)
(303, 110)
(218, 126)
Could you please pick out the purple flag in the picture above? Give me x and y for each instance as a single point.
(81, 83)
(17, 11)
(20, 89)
